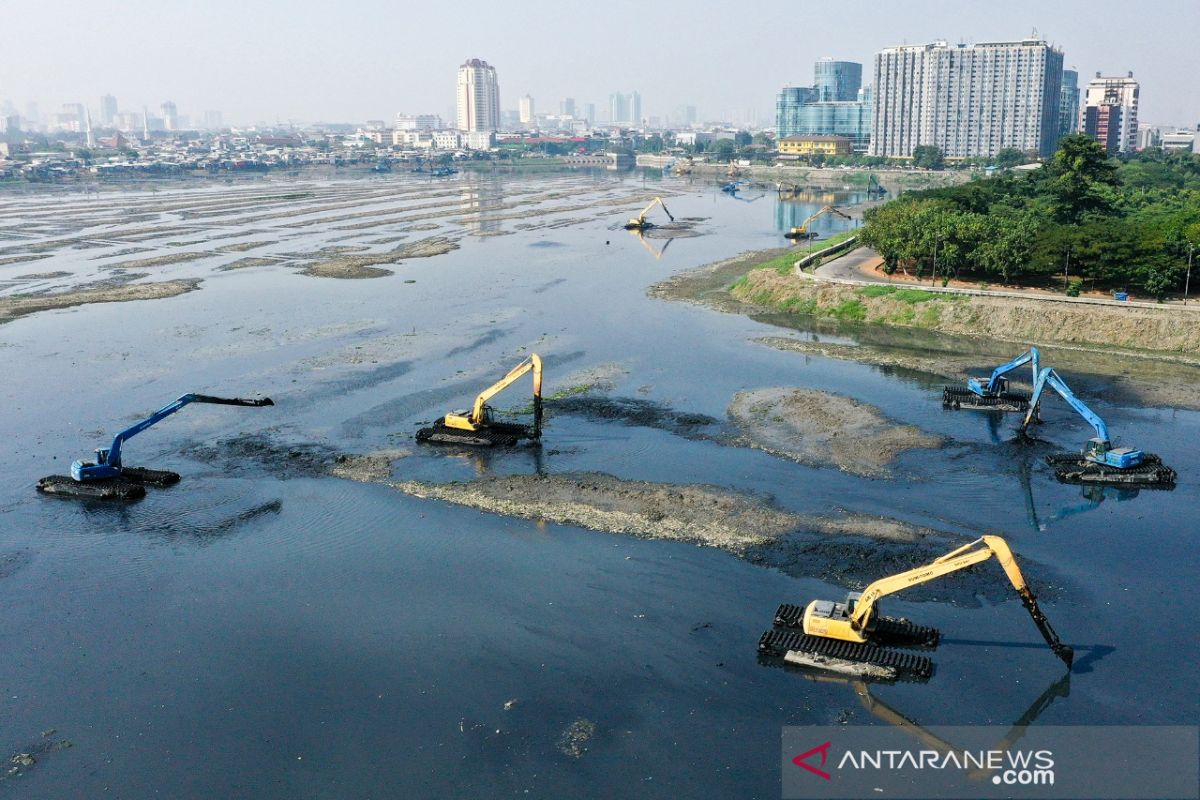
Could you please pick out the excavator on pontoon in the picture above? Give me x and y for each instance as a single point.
(801, 231)
(640, 223)
(478, 426)
(993, 394)
(854, 638)
(1098, 461)
(107, 478)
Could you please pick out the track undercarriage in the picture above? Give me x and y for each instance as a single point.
(1074, 468)
(958, 397)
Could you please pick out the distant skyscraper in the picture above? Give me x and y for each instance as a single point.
(212, 120)
(478, 97)
(837, 81)
(525, 110)
(72, 116)
(635, 108)
(33, 114)
(967, 100)
(1110, 114)
(618, 108)
(566, 108)
(589, 112)
(1068, 105)
(108, 110)
(170, 116)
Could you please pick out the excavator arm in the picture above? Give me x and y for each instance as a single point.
(532, 364)
(995, 384)
(968, 555)
(1049, 377)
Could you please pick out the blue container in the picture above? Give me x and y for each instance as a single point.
(1123, 296)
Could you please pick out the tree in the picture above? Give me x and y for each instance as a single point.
(1080, 175)
(1009, 157)
(927, 156)
(742, 139)
(724, 147)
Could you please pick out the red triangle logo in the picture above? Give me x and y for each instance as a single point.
(802, 760)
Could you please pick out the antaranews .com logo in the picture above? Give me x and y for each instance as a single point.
(1057, 763)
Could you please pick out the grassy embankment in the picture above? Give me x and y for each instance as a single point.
(1168, 330)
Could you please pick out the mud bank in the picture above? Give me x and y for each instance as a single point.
(844, 548)
(709, 285)
(19, 306)
(365, 266)
(821, 429)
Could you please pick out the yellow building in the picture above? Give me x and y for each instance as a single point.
(814, 146)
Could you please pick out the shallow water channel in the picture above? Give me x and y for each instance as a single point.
(264, 630)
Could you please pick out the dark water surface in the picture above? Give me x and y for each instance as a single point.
(257, 631)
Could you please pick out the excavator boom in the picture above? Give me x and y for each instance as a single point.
(993, 395)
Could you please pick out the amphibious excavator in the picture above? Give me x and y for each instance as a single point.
(993, 395)
(1099, 461)
(802, 232)
(853, 637)
(640, 223)
(477, 426)
(107, 478)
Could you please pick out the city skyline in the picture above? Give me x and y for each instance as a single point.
(258, 80)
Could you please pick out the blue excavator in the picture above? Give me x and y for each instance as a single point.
(107, 478)
(994, 394)
(1099, 461)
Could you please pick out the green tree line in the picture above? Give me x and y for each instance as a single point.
(1080, 218)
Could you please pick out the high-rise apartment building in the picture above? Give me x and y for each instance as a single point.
(967, 100)
(108, 110)
(589, 112)
(1110, 113)
(836, 105)
(1068, 104)
(566, 108)
(837, 81)
(525, 110)
(478, 97)
(625, 109)
(170, 116)
(212, 120)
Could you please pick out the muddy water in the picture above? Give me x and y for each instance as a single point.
(264, 629)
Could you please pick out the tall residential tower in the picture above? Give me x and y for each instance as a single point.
(967, 100)
(478, 97)
(1110, 113)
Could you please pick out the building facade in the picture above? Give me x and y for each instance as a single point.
(478, 97)
(1110, 113)
(814, 146)
(625, 109)
(170, 116)
(836, 105)
(837, 81)
(1068, 104)
(967, 100)
(525, 110)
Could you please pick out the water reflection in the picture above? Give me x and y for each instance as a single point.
(793, 208)
(479, 199)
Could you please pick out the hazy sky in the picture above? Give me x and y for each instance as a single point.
(302, 60)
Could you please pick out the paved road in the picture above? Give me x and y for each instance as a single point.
(849, 267)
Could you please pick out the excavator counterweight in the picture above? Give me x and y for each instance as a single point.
(477, 426)
(853, 638)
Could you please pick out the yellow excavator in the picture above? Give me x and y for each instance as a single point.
(851, 637)
(801, 232)
(640, 223)
(477, 426)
